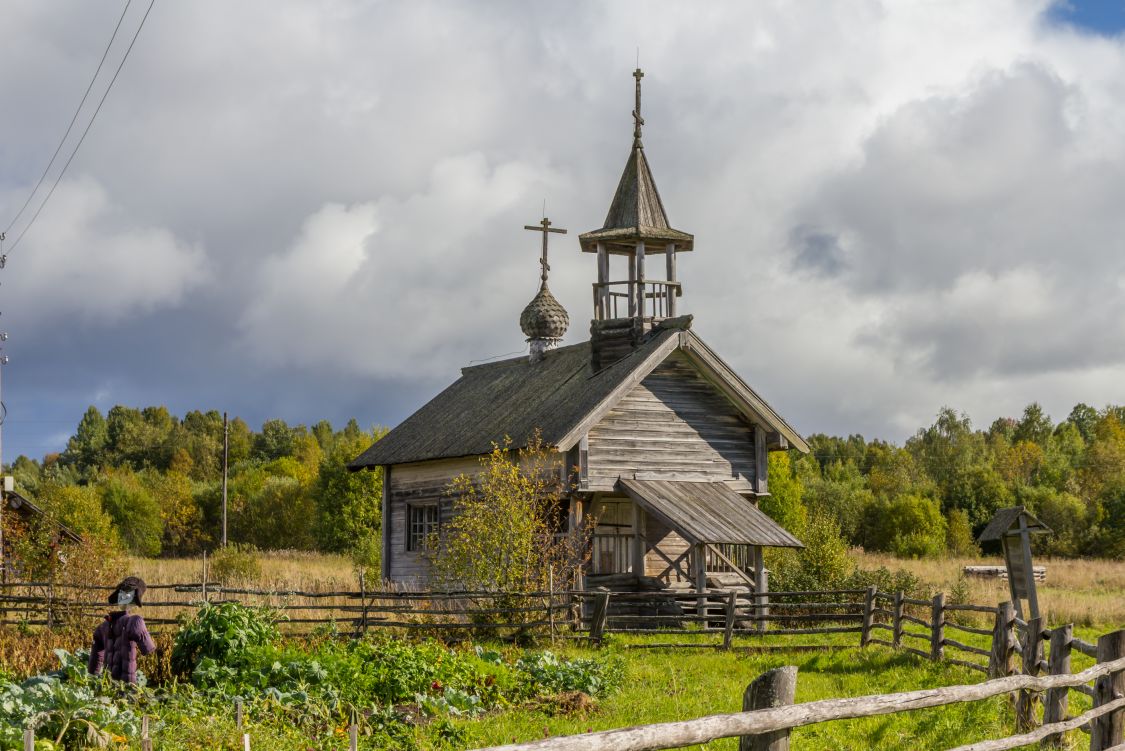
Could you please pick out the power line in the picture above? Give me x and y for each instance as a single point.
(73, 120)
(87, 130)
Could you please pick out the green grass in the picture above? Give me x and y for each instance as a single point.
(663, 685)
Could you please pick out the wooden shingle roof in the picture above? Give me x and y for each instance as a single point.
(709, 512)
(560, 395)
(636, 213)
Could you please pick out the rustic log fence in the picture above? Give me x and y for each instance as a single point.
(1013, 653)
(769, 714)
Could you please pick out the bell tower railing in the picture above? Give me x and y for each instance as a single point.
(652, 299)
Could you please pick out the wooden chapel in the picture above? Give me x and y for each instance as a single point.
(670, 445)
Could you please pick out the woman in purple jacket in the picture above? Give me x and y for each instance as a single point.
(121, 634)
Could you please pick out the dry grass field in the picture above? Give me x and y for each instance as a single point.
(1086, 592)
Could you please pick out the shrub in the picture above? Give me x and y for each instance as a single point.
(502, 534)
(909, 526)
(235, 564)
(222, 632)
(822, 564)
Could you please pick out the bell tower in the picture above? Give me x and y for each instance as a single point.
(642, 290)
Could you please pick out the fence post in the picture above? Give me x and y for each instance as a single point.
(1108, 730)
(868, 616)
(599, 616)
(204, 585)
(363, 602)
(551, 602)
(28, 739)
(238, 713)
(1031, 653)
(728, 629)
(1000, 660)
(353, 737)
(773, 688)
(896, 619)
(1054, 706)
(146, 739)
(937, 627)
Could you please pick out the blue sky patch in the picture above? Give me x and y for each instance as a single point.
(1099, 16)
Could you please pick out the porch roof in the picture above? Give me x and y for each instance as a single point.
(708, 512)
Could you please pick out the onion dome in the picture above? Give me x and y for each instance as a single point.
(544, 317)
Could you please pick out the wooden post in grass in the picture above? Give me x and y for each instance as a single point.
(1055, 703)
(773, 688)
(1031, 654)
(204, 585)
(245, 742)
(238, 713)
(1108, 731)
(146, 739)
(896, 619)
(1001, 658)
(551, 602)
(728, 630)
(28, 739)
(363, 603)
(937, 627)
(868, 616)
(599, 616)
(353, 737)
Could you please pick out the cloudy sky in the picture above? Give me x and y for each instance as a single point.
(314, 210)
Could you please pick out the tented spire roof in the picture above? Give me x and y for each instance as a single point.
(636, 213)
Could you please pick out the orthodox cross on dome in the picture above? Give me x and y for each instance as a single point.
(544, 227)
(638, 121)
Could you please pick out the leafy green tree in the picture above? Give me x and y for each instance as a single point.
(1035, 425)
(134, 511)
(1084, 418)
(180, 514)
(274, 441)
(79, 508)
(783, 504)
(348, 503)
(841, 492)
(86, 448)
(907, 525)
(959, 540)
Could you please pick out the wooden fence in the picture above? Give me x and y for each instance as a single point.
(1014, 653)
(769, 713)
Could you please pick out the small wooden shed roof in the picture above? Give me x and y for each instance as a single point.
(561, 396)
(1007, 519)
(708, 512)
(26, 509)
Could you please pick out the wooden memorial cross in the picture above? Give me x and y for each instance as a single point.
(544, 227)
(1013, 528)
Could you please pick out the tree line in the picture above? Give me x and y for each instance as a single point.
(933, 495)
(152, 483)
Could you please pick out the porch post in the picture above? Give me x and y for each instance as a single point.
(761, 586)
(638, 562)
(700, 574)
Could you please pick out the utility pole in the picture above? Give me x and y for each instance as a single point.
(226, 460)
(6, 483)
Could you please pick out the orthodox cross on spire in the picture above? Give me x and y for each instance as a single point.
(544, 227)
(638, 121)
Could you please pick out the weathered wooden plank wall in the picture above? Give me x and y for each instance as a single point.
(673, 425)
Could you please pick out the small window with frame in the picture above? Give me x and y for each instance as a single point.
(421, 523)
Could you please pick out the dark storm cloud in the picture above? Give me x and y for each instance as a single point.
(315, 210)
